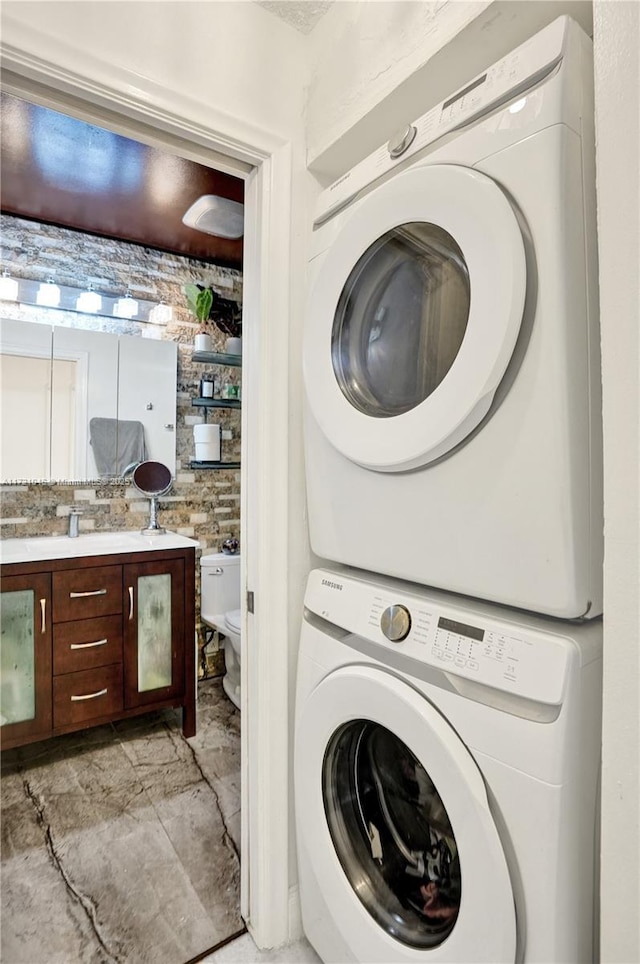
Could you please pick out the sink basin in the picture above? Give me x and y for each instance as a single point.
(87, 544)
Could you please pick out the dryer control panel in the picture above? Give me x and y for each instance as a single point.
(466, 638)
(522, 69)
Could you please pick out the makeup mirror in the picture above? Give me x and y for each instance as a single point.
(152, 479)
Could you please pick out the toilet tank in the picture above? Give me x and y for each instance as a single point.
(219, 586)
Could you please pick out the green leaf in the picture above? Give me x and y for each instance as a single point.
(204, 301)
(192, 291)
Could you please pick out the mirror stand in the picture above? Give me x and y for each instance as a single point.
(153, 529)
(152, 479)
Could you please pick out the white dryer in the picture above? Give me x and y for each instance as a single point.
(451, 356)
(446, 772)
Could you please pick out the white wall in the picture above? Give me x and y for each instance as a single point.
(223, 56)
(616, 46)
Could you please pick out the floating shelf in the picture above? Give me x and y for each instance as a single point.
(217, 358)
(195, 464)
(216, 402)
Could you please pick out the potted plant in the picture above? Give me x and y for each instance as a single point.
(226, 315)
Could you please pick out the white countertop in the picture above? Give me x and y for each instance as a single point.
(39, 548)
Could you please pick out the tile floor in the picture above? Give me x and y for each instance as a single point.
(244, 951)
(120, 843)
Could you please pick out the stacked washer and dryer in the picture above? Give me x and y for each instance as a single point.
(449, 677)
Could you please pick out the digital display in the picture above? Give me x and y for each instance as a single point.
(461, 93)
(460, 628)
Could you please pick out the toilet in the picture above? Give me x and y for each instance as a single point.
(220, 609)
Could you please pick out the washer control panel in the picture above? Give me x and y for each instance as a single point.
(463, 638)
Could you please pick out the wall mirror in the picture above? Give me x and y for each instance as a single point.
(82, 405)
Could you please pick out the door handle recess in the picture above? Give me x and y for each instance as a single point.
(89, 696)
(91, 592)
(98, 642)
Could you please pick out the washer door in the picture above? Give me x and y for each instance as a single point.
(413, 316)
(394, 818)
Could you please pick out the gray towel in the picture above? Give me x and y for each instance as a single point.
(116, 444)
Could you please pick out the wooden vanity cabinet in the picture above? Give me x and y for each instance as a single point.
(118, 640)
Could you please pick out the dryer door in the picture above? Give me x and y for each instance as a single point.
(394, 819)
(413, 316)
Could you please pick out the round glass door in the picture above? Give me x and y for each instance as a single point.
(392, 834)
(401, 319)
(413, 312)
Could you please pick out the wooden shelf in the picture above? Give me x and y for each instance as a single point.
(195, 464)
(217, 358)
(216, 402)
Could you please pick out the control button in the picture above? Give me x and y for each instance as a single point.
(472, 664)
(448, 655)
(395, 623)
(460, 661)
(401, 141)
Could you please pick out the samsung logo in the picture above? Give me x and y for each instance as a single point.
(336, 184)
(332, 585)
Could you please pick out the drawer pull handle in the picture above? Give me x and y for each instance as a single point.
(92, 592)
(130, 602)
(89, 696)
(98, 642)
(43, 615)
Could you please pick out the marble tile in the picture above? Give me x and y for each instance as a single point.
(116, 841)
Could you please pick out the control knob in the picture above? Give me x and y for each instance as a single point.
(401, 141)
(395, 623)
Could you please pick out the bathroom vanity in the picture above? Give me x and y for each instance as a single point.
(95, 629)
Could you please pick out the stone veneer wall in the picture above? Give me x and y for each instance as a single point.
(203, 504)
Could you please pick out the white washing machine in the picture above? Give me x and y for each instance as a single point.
(451, 356)
(446, 771)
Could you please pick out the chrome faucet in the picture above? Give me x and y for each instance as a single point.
(74, 516)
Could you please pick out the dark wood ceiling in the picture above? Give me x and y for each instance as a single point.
(61, 170)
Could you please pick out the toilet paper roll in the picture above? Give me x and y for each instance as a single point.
(207, 452)
(207, 440)
(207, 433)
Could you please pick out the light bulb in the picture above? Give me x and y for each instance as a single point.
(89, 301)
(125, 307)
(8, 288)
(48, 295)
(161, 314)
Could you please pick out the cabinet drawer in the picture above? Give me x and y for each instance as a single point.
(81, 697)
(83, 593)
(87, 643)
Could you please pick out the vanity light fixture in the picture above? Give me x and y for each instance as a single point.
(48, 294)
(8, 287)
(89, 301)
(126, 307)
(161, 314)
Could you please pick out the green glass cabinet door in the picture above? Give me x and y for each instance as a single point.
(154, 631)
(25, 658)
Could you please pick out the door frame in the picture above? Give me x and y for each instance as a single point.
(162, 118)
